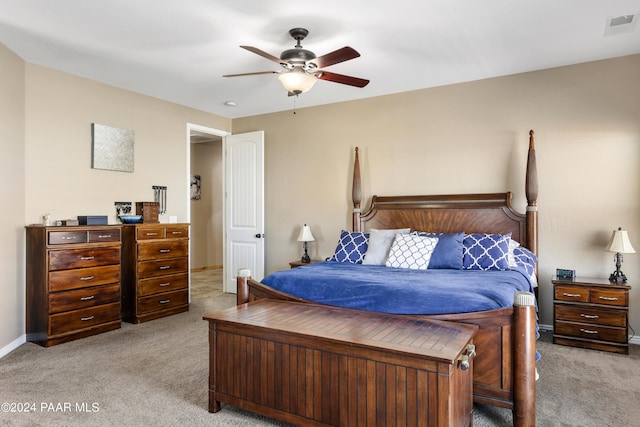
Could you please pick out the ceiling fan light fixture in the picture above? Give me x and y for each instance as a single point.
(297, 81)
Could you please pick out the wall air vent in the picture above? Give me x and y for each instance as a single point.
(621, 24)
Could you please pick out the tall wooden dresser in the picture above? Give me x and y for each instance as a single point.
(73, 282)
(155, 270)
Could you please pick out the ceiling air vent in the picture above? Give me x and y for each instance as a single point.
(621, 24)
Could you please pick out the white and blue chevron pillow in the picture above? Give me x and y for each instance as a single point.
(351, 247)
(485, 251)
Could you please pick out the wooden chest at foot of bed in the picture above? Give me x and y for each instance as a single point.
(318, 365)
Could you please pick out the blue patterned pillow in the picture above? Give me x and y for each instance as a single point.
(486, 251)
(526, 259)
(448, 252)
(351, 248)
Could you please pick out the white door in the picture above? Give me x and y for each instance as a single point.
(244, 206)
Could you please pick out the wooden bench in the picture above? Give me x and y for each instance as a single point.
(318, 365)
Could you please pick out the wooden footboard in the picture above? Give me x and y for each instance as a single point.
(504, 371)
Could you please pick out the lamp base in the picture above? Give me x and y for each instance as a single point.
(618, 277)
(305, 258)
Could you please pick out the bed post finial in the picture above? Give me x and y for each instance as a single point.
(531, 191)
(356, 193)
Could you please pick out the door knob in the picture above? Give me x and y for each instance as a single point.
(259, 236)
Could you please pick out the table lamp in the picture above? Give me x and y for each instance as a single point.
(305, 236)
(620, 244)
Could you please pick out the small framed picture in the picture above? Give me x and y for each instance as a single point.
(195, 187)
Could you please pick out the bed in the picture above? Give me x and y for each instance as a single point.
(504, 368)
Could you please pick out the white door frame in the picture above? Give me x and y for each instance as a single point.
(211, 131)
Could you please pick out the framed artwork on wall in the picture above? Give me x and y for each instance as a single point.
(112, 148)
(195, 187)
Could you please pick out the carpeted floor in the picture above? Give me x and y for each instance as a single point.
(156, 373)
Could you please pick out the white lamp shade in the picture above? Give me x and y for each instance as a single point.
(297, 81)
(620, 242)
(305, 234)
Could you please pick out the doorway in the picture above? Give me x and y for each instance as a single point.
(205, 210)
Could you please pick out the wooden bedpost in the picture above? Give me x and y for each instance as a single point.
(524, 366)
(531, 191)
(356, 193)
(242, 283)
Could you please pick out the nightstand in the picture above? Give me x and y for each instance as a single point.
(299, 263)
(591, 313)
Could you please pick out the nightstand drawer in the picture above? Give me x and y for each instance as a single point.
(571, 293)
(615, 297)
(592, 332)
(583, 314)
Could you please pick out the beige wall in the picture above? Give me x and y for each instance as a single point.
(469, 138)
(12, 194)
(46, 160)
(206, 213)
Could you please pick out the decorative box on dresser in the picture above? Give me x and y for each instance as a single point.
(591, 313)
(72, 282)
(155, 269)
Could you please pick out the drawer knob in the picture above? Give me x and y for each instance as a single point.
(87, 278)
(69, 237)
(104, 236)
(571, 295)
(177, 232)
(87, 258)
(608, 298)
(87, 298)
(589, 316)
(165, 251)
(588, 331)
(165, 267)
(151, 234)
(165, 301)
(86, 319)
(162, 285)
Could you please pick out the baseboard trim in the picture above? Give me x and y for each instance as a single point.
(12, 346)
(210, 267)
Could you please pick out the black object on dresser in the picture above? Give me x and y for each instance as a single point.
(155, 271)
(591, 313)
(72, 282)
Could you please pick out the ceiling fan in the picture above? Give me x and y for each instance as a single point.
(301, 68)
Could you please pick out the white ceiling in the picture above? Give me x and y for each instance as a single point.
(178, 50)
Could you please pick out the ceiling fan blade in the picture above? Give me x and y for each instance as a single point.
(335, 57)
(262, 53)
(251, 74)
(341, 78)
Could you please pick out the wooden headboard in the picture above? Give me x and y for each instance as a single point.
(471, 213)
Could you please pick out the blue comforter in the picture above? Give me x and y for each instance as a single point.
(401, 291)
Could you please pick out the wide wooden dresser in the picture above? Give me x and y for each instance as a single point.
(318, 365)
(591, 313)
(72, 282)
(155, 270)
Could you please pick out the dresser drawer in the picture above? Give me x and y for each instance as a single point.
(162, 267)
(160, 250)
(592, 332)
(162, 301)
(104, 235)
(571, 293)
(596, 316)
(67, 237)
(83, 277)
(84, 318)
(163, 284)
(83, 298)
(176, 231)
(615, 297)
(146, 233)
(81, 258)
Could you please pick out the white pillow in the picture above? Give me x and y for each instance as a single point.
(411, 251)
(379, 244)
(510, 257)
